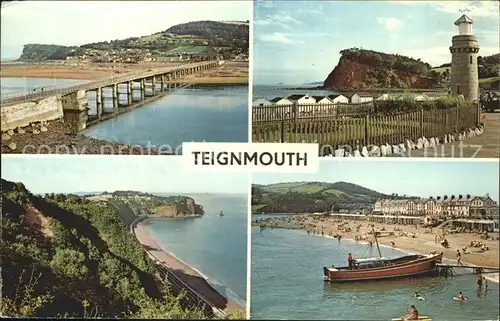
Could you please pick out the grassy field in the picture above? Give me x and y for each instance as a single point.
(485, 81)
(304, 187)
(441, 69)
(189, 49)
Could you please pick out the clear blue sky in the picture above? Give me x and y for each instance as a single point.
(80, 22)
(93, 173)
(297, 42)
(415, 178)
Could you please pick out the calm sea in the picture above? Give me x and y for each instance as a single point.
(287, 283)
(212, 114)
(272, 91)
(215, 246)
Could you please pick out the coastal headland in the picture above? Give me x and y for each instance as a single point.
(408, 238)
(186, 273)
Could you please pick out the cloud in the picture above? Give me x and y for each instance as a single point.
(276, 37)
(475, 8)
(390, 24)
(282, 19)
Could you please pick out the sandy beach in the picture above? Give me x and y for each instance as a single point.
(422, 243)
(232, 72)
(187, 274)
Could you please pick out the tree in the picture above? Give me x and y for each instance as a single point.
(69, 263)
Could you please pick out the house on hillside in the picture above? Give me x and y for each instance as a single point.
(302, 99)
(339, 99)
(322, 100)
(262, 102)
(279, 101)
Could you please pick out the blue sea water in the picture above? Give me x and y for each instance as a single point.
(287, 283)
(215, 246)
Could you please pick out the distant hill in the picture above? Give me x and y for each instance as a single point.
(227, 38)
(297, 197)
(361, 69)
(65, 256)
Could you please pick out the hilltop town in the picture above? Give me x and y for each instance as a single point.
(192, 41)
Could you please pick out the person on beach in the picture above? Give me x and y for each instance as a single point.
(459, 258)
(412, 313)
(393, 244)
(485, 283)
(349, 261)
(479, 281)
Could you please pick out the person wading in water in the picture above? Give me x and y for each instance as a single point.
(349, 260)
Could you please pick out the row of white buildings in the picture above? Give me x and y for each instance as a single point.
(461, 206)
(354, 98)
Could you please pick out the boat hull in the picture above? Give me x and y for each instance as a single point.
(418, 267)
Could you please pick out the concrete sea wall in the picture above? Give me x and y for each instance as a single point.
(25, 113)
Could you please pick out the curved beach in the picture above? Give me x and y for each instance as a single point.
(422, 243)
(186, 273)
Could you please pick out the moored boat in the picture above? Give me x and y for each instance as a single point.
(377, 268)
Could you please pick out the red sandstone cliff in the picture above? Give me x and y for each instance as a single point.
(364, 69)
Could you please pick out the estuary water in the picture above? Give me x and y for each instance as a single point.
(27, 85)
(287, 283)
(212, 114)
(215, 246)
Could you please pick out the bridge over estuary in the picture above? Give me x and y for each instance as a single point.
(19, 110)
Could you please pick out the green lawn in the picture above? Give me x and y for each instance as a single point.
(189, 49)
(490, 80)
(441, 69)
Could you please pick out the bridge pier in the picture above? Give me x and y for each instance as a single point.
(114, 89)
(99, 101)
(162, 82)
(153, 86)
(143, 88)
(130, 88)
(75, 110)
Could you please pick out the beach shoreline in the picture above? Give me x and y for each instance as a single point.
(422, 244)
(191, 276)
(226, 74)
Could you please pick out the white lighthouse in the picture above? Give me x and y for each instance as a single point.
(464, 49)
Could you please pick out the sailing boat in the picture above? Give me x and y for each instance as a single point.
(376, 268)
(221, 214)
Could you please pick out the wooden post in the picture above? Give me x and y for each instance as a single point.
(367, 130)
(421, 123)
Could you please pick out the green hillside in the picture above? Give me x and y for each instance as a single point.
(298, 197)
(65, 256)
(228, 39)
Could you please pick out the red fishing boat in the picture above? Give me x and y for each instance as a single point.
(377, 268)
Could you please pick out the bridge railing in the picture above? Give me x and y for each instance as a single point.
(96, 84)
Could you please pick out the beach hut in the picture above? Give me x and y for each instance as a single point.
(339, 99)
(302, 99)
(279, 101)
(262, 102)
